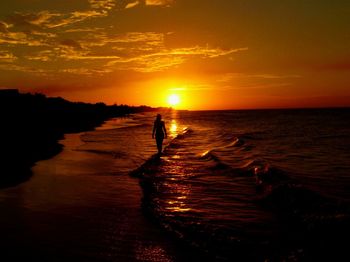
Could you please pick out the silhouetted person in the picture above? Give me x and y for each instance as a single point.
(159, 131)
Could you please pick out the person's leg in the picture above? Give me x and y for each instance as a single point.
(159, 144)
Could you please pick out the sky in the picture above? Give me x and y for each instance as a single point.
(222, 54)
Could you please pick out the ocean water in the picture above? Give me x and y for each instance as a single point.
(254, 185)
(246, 185)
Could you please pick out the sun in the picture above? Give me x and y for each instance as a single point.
(173, 100)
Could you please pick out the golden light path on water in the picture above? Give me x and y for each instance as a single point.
(177, 193)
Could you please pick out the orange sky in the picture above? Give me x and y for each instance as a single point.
(222, 54)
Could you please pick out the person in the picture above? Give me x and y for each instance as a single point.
(159, 132)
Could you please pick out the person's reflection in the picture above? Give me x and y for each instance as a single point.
(159, 132)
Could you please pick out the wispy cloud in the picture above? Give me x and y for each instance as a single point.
(69, 39)
(85, 71)
(102, 4)
(30, 20)
(24, 69)
(7, 57)
(46, 19)
(159, 2)
(4, 27)
(137, 51)
(71, 43)
(84, 30)
(132, 4)
(229, 77)
(43, 56)
(159, 60)
(166, 3)
(72, 18)
(139, 39)
(20, 38)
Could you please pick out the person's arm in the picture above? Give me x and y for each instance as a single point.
(154, 130)
(166, 135)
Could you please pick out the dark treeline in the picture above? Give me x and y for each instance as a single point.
(32, 124)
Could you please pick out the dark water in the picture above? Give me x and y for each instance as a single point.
(245, 184)
(231, 185)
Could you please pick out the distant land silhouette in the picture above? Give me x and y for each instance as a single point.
(32, 124)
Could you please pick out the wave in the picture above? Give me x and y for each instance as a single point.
(185, 131)
(165, 194)
(149, 166)
(210, 154)
(174, 142)
(235, 143)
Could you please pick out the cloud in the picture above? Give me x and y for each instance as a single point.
(4, 27)
(147, 64)
(24, 69)
(145, 51)
(70, 50)
(102, 4)
(159, 2)
(132, 4)
(71, 18)
(85, 71)
(30, 21)
(163, 59)
(130, 38)
(137, 51)
(46, 19)
(229, 77)
(20, 38)
(88, 57)
(149, 3)
(71, 43)
(7, 57)
(204, 52)
(43, 56)
(66, 38)
(84, 30)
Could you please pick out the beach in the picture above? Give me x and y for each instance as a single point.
(65, 212)
(240, 192)
(32, 124)
(174, 130)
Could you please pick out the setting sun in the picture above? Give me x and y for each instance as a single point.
(173, 100)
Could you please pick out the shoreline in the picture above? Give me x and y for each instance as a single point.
(33, 124)
(73, 209)
(16, 171)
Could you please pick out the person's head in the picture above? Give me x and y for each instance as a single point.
(159, 117)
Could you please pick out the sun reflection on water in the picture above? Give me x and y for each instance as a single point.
(177, 196)
(173, 128)
(175, 193)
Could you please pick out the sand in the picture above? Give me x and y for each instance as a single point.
(75, 208)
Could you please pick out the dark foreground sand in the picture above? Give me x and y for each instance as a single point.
(75, 209)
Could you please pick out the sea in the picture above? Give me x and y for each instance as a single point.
(239, 185)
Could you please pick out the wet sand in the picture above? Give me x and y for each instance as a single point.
(75, 207)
